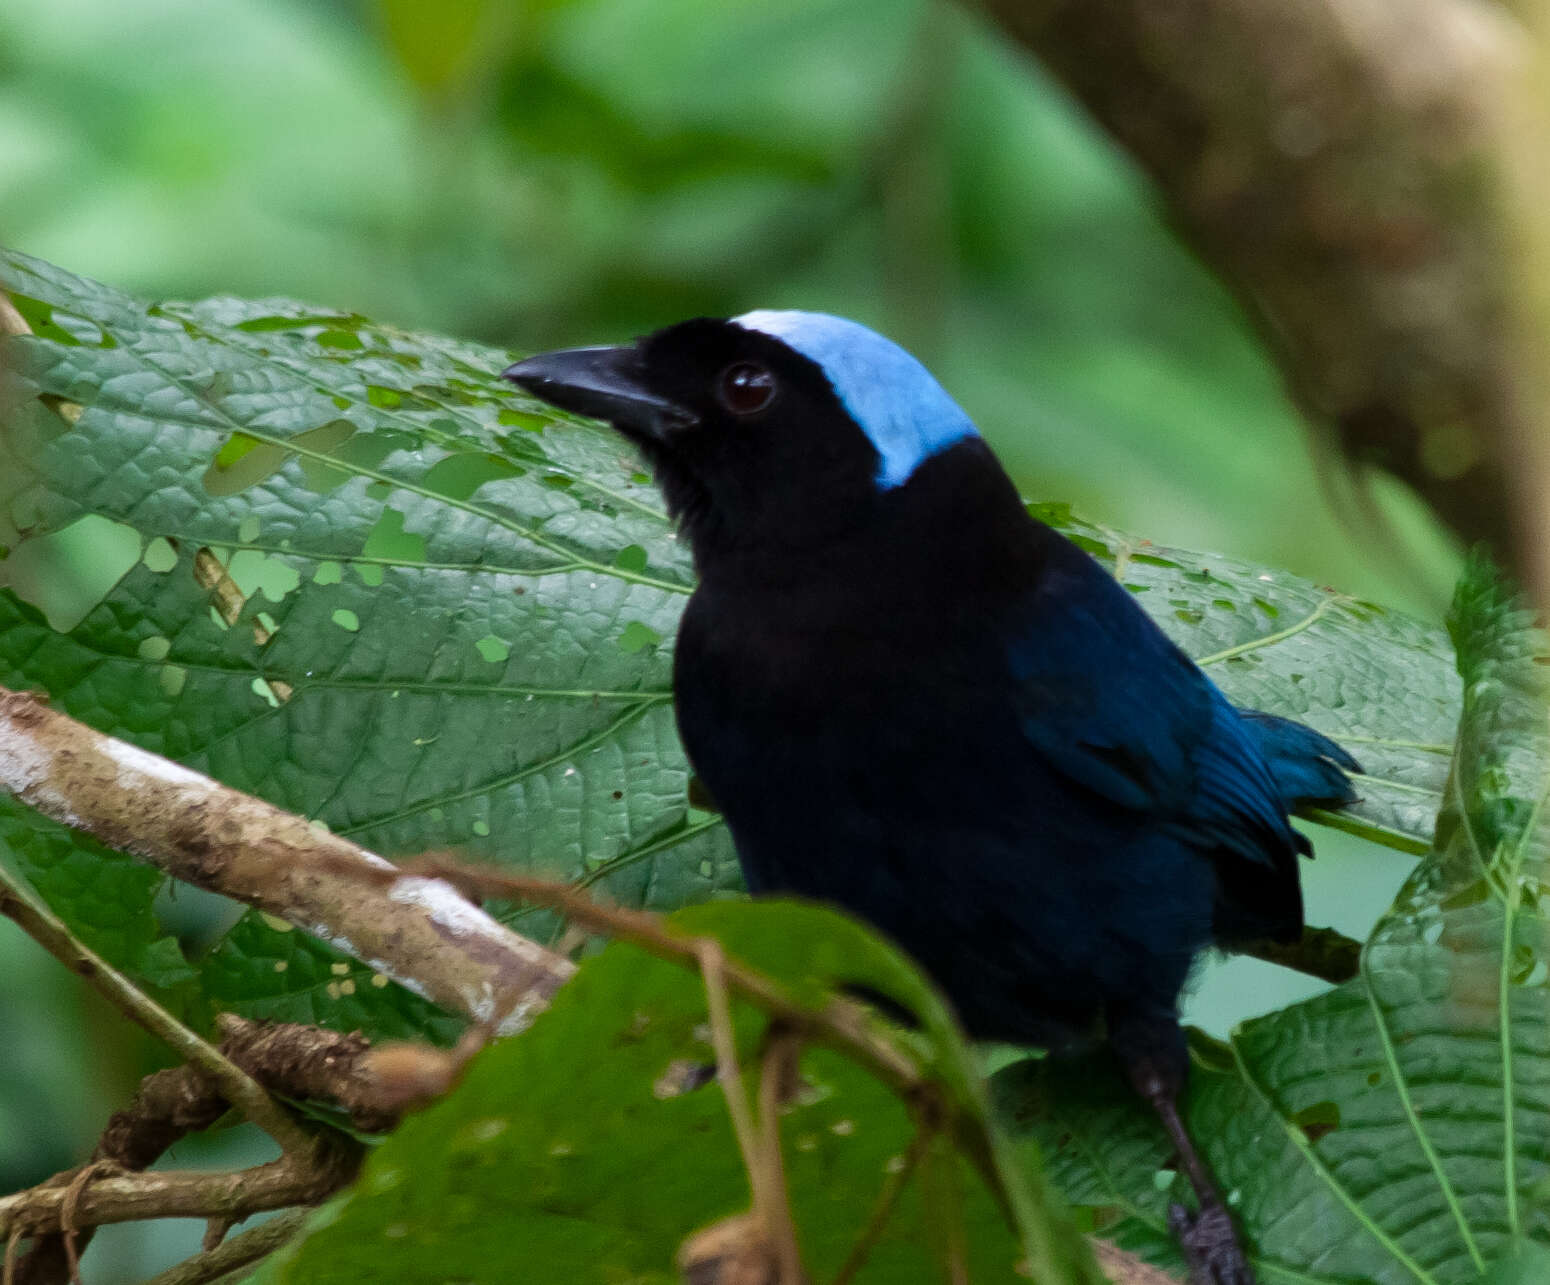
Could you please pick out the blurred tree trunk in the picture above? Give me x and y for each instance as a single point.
(1369, 176)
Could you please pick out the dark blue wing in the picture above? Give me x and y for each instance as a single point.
(1114, 707)
(1308, 767)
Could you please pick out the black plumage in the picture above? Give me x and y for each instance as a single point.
(913, 700)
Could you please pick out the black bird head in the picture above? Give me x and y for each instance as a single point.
(771, 430)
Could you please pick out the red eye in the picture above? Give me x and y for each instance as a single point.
(746, 388)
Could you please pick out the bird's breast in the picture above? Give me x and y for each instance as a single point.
(859, 717)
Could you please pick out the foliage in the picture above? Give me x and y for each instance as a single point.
(574, 1153)
(366, 581)
(1393, 1129)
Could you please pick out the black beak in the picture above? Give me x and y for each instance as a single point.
(603, 383)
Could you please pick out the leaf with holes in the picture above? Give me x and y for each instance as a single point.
(345, 568)
(619, 1146)
(367, 582)
(1394, 1129)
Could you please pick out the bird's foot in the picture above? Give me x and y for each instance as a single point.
(1211, 1246)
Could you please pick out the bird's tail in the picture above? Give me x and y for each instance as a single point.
(1308, 767)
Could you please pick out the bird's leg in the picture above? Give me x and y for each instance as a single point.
(1156, 1061)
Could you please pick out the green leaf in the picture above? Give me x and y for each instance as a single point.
(266, 969)
(574, 1152)
(1395, 1128)
(363, 596)
(381, 588)
(106, 897)
(1525, 1264)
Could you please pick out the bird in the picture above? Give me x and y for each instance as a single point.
(911, 699)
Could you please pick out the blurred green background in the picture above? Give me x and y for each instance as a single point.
(535, 173)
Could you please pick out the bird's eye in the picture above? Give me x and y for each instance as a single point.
(746, 388)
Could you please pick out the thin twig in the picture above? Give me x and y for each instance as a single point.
(216, 1230)
(67, 1225)
(723, 1041)
(778, 1069)
(13, 1243)
(45, 928)
(761, 1158)
(940, 1177)
(841, 1023)
(882, 1211)
(235, 1253)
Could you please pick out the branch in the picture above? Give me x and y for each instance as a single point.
(887, 1200)
(313, 1064)
(1362, 174)
(280, 1184)
(296, 1061)
(235, 1253)
(1325, 953)
(418, 931)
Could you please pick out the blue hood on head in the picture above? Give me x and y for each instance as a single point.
(904, 412)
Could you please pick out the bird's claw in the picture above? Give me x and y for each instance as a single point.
(1211, 1246)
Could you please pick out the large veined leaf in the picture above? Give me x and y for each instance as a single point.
(578, 1152)
(364, 583)
(1395, 1129)
(347, 569)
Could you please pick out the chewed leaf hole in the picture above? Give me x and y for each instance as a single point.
(1088, 545)
(682, 1075)
(458, 476)
(66, 573)
(493, 649)
(161, 555)
(266, 691)
(245, 461)
(637, 637)
(300, 321)
(241, 462)
(1318, 1119)
(60, 327)
(389, 542)
(256, 572)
